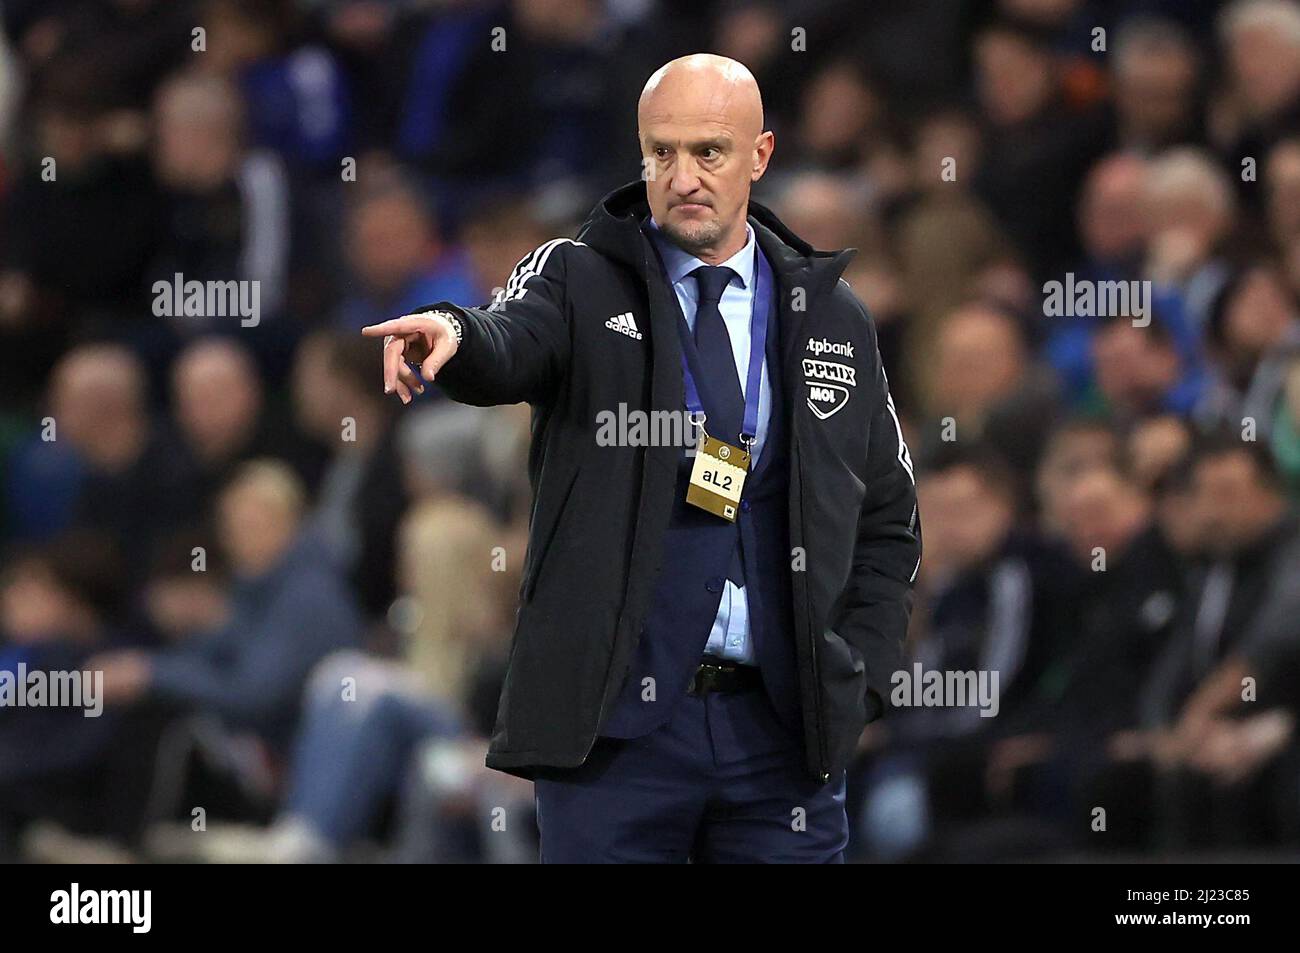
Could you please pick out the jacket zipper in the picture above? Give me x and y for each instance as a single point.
(812, 645)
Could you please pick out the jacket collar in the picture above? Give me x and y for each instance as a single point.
(617, 227)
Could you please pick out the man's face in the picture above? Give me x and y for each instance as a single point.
(254, 530)
(1110, 219)
(699, 165)
(1263, 63)
(1155, 93)
(1134, 370)
(1101, 510)
(390, 241)
(970, 521)
(217, 403)
(1235, 506)
(1014, 78)
(196, 139)
(978, 361)
(33, 608)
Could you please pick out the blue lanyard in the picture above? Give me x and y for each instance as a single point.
(762, 304)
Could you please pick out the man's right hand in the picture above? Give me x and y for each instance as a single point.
(423, 339)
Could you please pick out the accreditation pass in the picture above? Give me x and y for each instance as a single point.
(717, 477)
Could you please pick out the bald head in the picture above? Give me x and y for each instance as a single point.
(1110, 213)
(704, 85)
(109, 374)
(700, 121)
(99, 399)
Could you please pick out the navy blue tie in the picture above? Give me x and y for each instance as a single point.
(726, 411)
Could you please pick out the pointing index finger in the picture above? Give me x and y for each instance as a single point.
(402, 325)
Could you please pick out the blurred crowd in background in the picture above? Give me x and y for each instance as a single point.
(302, 595)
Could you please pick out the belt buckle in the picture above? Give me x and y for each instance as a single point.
(700, 681)
(708, 676)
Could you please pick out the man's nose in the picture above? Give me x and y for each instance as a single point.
(685, 180)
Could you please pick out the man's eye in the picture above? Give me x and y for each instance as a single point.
(709, 154)
(661, 153)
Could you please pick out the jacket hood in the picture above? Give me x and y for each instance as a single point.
(614, 228)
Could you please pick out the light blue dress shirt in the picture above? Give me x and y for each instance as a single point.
(729, 637)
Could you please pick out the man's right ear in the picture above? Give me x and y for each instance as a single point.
(763, 146)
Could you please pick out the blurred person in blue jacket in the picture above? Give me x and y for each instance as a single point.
(379, 730)
(396, 258)
(59, 603)
(1191, 217)
(296, 96)
(290, 607)
(102, 460)
(1142, 372)
(1111, 230)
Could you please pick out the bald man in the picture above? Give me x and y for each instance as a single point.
(724, 533)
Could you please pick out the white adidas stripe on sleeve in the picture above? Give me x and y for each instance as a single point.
(529, 266)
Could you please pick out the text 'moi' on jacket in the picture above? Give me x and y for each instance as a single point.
(600, 512)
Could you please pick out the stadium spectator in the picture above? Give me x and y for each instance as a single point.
(1191, 210)
(109, 463)
(104, 215)
(227, 207)
(222, 415)
(1036, 147)
(1243, 596)
(842, 119)
(1158, 95)
(1253, 337)
(397, 258)
(1261, 45)
(1282, 183)
(366, 717)
(60, 602)
(984, 387)
(1124, 608)
(338, 405)
(1112, 232)
(1141, 372)
(999, 602)
(289, 609)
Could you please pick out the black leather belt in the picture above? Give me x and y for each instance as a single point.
(719, 675)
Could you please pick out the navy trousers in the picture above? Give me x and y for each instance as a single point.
(722, 782)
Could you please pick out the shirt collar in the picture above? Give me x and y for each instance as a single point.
(681, 263)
